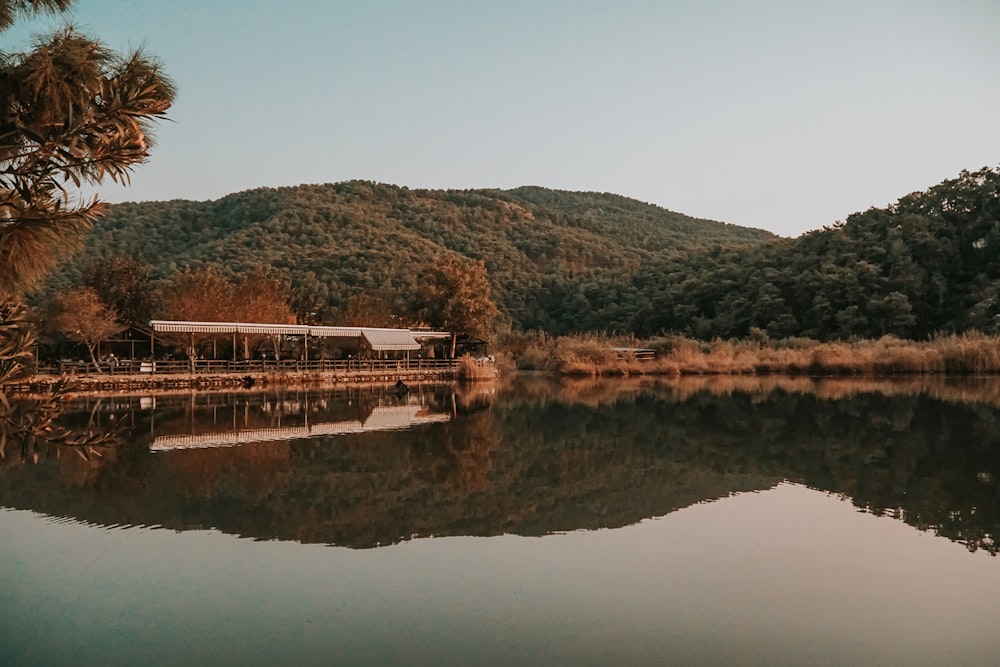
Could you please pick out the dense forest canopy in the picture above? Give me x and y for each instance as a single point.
(548, 254)
(928, 263)
(566, 262)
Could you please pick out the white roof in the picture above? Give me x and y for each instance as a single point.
(390, 339)
(253, 328)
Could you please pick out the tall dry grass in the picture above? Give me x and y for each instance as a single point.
(472, 371)
(593, 355)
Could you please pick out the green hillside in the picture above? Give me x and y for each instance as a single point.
(565, 262)
(928, 263)
(554, 258)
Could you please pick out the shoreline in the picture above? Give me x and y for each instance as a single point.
(43, 383)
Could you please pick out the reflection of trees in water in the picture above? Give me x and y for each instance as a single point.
(924, 449)
(458, 460)
(535, 458)
(33, 427)
(984, 389)
(254, 467)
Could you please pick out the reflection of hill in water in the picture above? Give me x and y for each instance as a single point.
(532, 460)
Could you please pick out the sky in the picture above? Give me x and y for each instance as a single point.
(786, 115)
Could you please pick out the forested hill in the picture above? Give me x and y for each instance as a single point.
(555, 259)
(565, 262)
(928, 263)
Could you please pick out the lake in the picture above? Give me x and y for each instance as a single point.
(736, 521)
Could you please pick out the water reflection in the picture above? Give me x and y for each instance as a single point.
(364, 467)
(234, 419)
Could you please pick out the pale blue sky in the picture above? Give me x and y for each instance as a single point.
(785, 115)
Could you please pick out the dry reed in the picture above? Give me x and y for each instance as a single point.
(472, 371)
(593, 355)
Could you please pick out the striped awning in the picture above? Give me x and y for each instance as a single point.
(180, 326)
(379, 339)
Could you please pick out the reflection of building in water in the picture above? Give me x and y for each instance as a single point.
(381, 418)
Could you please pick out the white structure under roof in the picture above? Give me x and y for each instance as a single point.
(381, 340)
(378, 338)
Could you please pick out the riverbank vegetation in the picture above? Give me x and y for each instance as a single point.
(968, 353)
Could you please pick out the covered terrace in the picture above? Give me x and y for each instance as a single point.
(374, 342)
(294, 348)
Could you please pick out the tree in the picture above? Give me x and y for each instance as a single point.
(369, 310)
(17, 343)
(206, 296)
(72, 113)
(263, 297)
(455, 296)
(309, 298)
(9, 9)
(892, 314)
(201, 295)
(197, 296)
(81, 316)
(125, 284)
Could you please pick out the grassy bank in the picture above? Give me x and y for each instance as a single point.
(969, 353)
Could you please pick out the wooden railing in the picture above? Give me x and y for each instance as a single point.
(218, 367)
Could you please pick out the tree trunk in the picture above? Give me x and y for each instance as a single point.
(90, 348)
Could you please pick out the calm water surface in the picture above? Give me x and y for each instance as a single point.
(715, 522)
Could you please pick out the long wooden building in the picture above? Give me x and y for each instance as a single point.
(374, 342)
